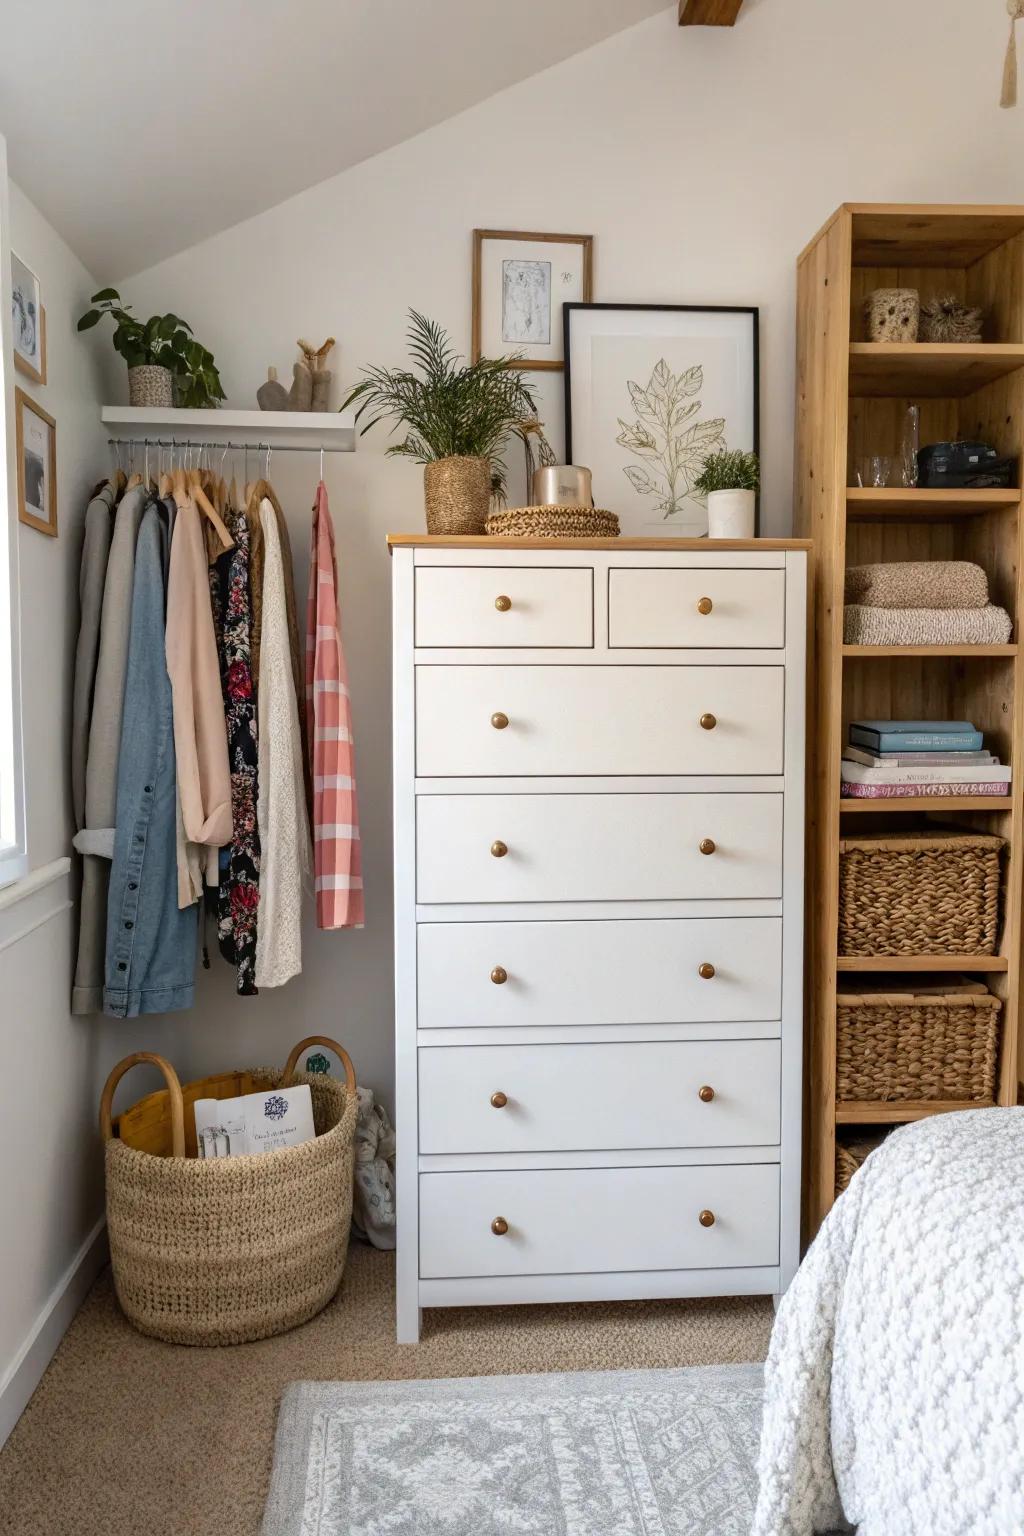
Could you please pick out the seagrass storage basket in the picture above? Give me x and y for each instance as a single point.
(553, 523)
(914, 1046)
(934, 893)
(225, 1250)
(850, 1154)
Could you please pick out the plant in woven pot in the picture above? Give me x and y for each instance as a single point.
(166, 365)
(459, 416)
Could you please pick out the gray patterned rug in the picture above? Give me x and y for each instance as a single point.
(604, 1453)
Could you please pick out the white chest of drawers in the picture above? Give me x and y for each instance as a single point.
(598, 801)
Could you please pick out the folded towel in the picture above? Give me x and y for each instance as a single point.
(925, 626)
(918, 584)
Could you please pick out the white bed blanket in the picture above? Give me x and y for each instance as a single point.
(894, 1388)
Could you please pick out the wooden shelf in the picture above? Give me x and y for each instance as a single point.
(929, 803)
(868, 504)
(875, 652)
(878, 963)
(893, 369)
(882, 1112)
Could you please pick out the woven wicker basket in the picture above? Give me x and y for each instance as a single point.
(553, 523)
(457, 493)
(851, 1154)
(928, 894)
(225, 1250)
(917, 1046)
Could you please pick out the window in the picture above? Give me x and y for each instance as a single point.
(13, 852)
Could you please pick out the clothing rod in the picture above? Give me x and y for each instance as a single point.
(189, 442)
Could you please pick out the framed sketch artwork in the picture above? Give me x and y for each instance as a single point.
(28, 322)
(36, 449)
(650, 391)
(520, 284)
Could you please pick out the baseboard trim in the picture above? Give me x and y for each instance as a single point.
(26, 1372)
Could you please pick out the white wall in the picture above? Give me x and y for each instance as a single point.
(702, 160)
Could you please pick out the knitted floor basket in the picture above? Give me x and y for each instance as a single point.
(915, 1047)
(226, 1250)
(553, 523)
(934, 894)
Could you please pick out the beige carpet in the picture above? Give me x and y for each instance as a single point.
(129, 1437)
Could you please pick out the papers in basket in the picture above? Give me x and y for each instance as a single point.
(254, 1122)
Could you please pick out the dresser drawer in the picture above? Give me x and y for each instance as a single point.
(666, 609)
(499, 606)
(509, 720)
(585, 1221)
(640, 971)
(581, 1098)
(627, 847)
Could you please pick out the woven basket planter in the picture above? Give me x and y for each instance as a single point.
(850, 1155)
(553, 523)
(910, 1047)
(226, 1250)
(458, 495)
(933, 894)
(151, 385)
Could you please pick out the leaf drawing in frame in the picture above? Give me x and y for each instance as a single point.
(672, 451)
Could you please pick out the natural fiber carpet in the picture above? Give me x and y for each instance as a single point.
(126, 1436)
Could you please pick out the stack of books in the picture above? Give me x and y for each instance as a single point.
(897, 759)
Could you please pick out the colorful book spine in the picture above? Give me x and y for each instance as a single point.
(916, 741)
(924, 791)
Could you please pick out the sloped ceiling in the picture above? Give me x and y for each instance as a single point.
(139, 127)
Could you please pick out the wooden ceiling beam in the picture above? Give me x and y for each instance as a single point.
(708, 13)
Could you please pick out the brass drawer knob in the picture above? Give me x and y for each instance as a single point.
(503, 603)
(706, 1094)
(705, 605)
(499, 975)
(706, 1218)
(705, 970)
(708, 722)
(499, 1100)
(707, 845)
(499, 1226)
(499, 849)
(499, 720)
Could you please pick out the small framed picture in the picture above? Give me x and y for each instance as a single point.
(28, 322)
(36, 448)
(520, 282)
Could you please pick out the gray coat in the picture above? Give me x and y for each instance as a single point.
(99, 526)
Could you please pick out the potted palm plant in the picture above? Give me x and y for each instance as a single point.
(730, 480)
(459, 416)
(164, 359)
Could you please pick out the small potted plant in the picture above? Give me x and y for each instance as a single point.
(459, 417)
(730, 480)
(164, 359)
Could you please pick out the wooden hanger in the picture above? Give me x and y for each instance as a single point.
(206, 506)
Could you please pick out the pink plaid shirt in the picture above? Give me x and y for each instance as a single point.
(335, 818)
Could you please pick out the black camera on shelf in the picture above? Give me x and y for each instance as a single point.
(963, 466)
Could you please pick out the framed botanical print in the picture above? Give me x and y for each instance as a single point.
(28, 319)
(36, 449)
(650, 391)
(520, 284)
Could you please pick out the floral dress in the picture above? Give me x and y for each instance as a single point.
(239, 890)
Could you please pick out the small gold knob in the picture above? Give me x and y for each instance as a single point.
(707, 845)
(499, 975)
(705, 605)
(499, 1100)
(706, 1219)
(705, 1094)
(499, 720)
(499, 1226)
(499, 849)
(708, 722)
(706, 970)
(503, 604)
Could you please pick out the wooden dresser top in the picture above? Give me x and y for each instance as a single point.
(481, 541)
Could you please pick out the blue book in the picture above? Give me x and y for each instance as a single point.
(916, 735)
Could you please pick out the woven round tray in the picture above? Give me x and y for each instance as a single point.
(553, 523)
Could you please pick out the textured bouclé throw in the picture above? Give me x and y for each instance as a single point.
(925, 626)
(918, 584)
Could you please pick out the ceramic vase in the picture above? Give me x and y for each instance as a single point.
(731, 514)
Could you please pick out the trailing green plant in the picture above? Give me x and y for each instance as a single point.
(162, 341)
(730, 470)
(452, 408)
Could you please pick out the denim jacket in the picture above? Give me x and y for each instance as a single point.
(151, 942)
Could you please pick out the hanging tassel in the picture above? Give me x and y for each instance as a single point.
(1009, 92)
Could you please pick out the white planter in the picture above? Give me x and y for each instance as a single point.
(731, 514)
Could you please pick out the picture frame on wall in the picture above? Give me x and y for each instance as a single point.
(650, 391)
(28, 322)
(521, 283)
(36, 451)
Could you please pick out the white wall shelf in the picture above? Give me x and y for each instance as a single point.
(334, 430)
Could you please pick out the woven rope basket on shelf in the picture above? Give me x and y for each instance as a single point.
(911, 1047)
(928, 894)
(850, 1155)
(553, 523)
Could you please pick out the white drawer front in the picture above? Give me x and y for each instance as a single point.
(456, 606)
(584, 1221)
(579, 1098)
(601, 847)
(659, 608)
(598, 720)
(643, 971)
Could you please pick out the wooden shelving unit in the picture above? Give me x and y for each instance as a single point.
(851, 398)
